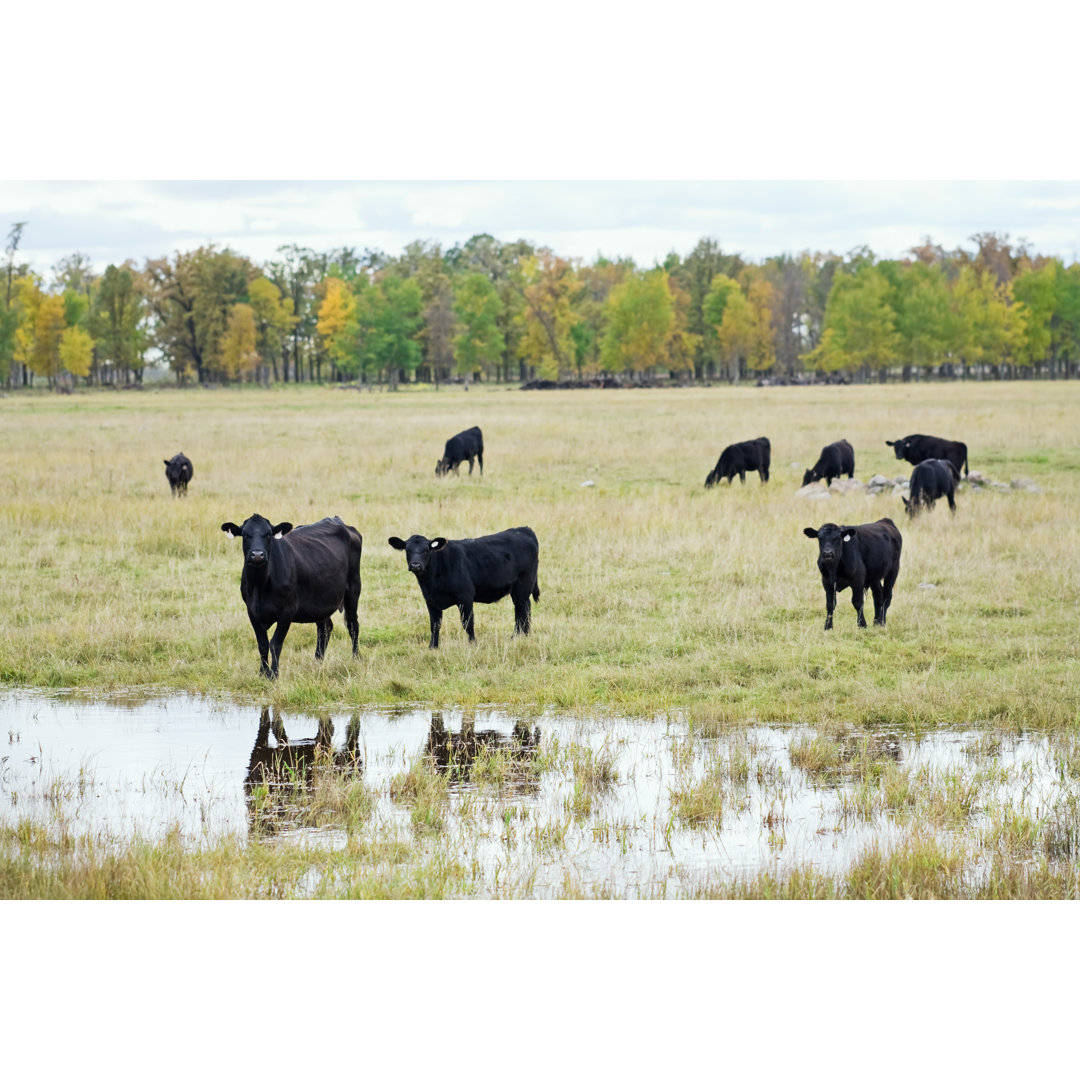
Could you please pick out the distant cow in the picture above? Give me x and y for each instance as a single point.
(178, 472)
(464, 446)
(930, 480)
(916, 449)
(739, 459)
(857, 557)
(464, 572)
(836, 459)
(298, 575)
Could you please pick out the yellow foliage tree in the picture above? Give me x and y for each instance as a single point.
(335, 313)
(239, 356)
(76, 350)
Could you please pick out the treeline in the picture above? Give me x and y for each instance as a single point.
(512, 311)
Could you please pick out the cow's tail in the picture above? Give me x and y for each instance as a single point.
(536, 589)
(965, 460)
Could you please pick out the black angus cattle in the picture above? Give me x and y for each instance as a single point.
(300, 575)
(178, 472)
(739, 459)
(916, 449)
(836, 459)
(464, 446)
(857, 557)
(480, 571)
(930, 481)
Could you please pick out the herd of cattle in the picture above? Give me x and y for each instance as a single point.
(305, 574)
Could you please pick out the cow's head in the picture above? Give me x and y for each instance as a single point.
(809, 477)
(442, 466)
(900, 447)
(418, 550)
(258, 534)
(830, 539)
(174, 469)
(712, 478)
(910, 505)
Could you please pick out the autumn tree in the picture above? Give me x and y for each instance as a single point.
(640, 321)
(119, 313)
(238, 356)
(548, 285)
(274, 321)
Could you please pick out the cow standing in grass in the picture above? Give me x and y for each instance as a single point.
(916, 449)
(298, 575)
(465, 572)
(836, 459)
(857, 557)
(932, 480)
(740, 458)
(178, 471)
(464, 446)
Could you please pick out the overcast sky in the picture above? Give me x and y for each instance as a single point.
(114, 220)
(586, 130)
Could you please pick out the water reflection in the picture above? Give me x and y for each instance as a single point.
(456, 753)
(281, 777)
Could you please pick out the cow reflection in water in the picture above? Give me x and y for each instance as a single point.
(281, 778)
(457, 752)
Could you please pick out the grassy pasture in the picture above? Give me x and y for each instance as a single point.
(657, 596)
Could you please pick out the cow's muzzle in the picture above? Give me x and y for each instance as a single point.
(257, 558)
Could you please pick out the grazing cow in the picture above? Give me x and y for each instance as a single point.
(178, 472)
(916, 449)
(481, 571)
(298, 575)
(858, 556)
(741, 458)
(836, 459)
(464, 446)
(930, 480)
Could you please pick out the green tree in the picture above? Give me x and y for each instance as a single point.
(479, 343)
(640, 322)
(120, 309)
(274, 321)
(392, 318)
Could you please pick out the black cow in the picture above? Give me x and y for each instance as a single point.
(298, 575)
(916, 449)
(741, 458)
(858, 556)
(930, 480)
(481, 571)
(178, 472)
(836, 459)
(464, 446)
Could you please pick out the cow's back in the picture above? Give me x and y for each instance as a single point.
(880, 543)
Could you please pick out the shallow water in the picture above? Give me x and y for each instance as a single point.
(122, 767)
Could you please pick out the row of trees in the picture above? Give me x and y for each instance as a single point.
(514, 311)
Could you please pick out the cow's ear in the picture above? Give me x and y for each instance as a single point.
(812, 533)
(280, 530)
(166, 463)
(438, 542)
(847, 533)
(889, 442)
(230, 528)
(397, 543)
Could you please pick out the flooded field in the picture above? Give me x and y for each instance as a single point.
(545, 805)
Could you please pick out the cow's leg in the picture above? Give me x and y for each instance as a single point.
(435, 617)
(522, 609)
(480, 459)
(322, 637)
(857, 603)
(263, 643)
(466, 610)
(886, 591)
(742, 476)
(470, 466)
(877, 593)
(952, 501)
(275, 646)
(830, 603)
(352, 601)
